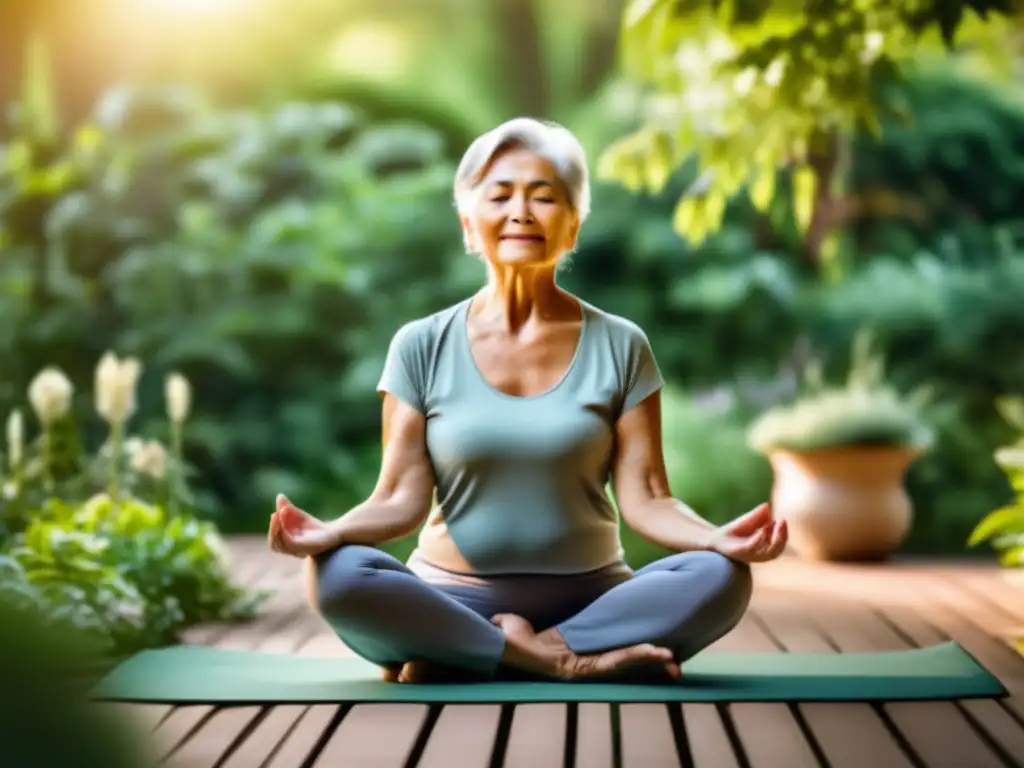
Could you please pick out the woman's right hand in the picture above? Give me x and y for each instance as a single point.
(297, 533)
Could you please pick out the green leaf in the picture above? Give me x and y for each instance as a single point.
(999, 521)
(805, 186)
(1012, 558)
(762, 191)
(686, 218)
(639, 12)
(660, 162)
(1012, 410)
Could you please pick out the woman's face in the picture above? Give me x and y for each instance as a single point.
(522, 215)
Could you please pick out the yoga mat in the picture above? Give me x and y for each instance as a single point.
(197, 674)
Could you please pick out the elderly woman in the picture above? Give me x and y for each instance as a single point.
(514, 408)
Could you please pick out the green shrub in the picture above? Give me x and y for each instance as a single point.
(103, 543)
(1004, 527)
(866, 411)
(125, 573)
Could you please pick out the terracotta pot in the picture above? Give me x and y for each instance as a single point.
(844, 503)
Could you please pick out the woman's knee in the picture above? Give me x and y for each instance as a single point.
(727, 579)
(337, 579)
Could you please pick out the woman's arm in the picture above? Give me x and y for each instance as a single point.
(405, 488)
(641, 485)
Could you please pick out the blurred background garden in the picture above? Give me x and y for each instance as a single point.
(234, 205)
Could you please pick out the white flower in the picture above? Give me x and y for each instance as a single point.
(150, 459)
(179, 397)
(15, 439)
(115, 387)
(50, 394)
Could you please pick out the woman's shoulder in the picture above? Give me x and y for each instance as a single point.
(426, 330)
(618, 327)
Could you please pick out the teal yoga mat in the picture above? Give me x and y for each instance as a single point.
(196, 674)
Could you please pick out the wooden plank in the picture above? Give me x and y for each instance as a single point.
(267, 737)
(647, 737)
(215, 738)
(708, 741)
(179, 726)
(224, 727)
(850, 735)
(201, 735)
(768, 732)
(537, 738)
(986, 606)
(272, 576)
(301, 741)
(918, 590)
(992, 717)
(463, 737)
(374, 735)
(940, 735)
(594, 736)
(991, 586)
(771, 737)
(936, 730)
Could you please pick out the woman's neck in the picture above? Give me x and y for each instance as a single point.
(514, 298)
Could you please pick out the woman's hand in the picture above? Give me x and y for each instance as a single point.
(754, 538)
(297, 533)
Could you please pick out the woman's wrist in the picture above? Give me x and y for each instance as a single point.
(337, 532)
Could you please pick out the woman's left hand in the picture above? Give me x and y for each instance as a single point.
(756, 537)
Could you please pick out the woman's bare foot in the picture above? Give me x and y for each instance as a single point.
(428, 672)
(425, 672)
(547, 653)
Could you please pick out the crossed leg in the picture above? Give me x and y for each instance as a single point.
(389, 615)
(683, 602)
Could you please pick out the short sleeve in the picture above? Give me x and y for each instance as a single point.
(405, 367)
(643, 376)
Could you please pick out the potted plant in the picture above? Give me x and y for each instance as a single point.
(1004, 527)
(839, 455)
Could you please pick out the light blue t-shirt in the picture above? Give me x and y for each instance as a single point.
(521, 481)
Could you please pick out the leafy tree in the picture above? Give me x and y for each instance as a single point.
(455, 64)
(750, 87)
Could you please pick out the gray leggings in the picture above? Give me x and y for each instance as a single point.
(387, 614)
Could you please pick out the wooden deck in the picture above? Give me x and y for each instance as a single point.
(797, 607)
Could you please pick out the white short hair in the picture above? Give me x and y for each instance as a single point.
(551, 141)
